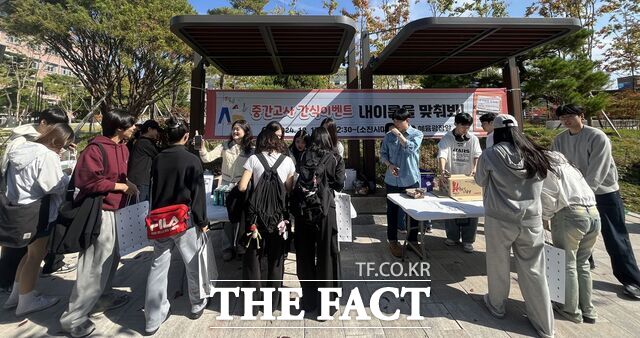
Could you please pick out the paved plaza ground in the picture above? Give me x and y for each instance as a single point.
(454, 309)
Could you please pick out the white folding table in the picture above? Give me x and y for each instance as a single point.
(433, 208)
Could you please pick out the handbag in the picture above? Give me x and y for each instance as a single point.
(19, 222)
(207, 269)
(78, 224)
(167, 221)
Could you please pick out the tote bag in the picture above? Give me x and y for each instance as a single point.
(131, 229)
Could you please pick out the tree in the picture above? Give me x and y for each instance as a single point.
(561, 81)
(439, 8)
(130, 68)
(18, 81)
(483, 8)
(623, 54)
(587, 11)
(330, 5)
(72, 96)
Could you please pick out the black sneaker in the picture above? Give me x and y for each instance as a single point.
(588, 320)
(196, 315)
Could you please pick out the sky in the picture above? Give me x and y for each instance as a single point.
(516, 8)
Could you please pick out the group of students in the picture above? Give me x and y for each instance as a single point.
(245, 166)
(571, 188)
(125, 164)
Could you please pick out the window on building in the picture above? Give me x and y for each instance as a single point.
(50, 68)
(12, 39)
(35, 65)
(66, 71)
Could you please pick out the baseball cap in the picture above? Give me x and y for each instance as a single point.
(504, 120)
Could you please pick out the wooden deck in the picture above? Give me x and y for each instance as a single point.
(454, 309)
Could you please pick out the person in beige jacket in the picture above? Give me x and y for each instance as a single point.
(234, 153)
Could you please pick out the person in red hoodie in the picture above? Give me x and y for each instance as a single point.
(98, 263)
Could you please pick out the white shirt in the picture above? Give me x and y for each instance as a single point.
(564, 189)
(459, 155)
(285, 170)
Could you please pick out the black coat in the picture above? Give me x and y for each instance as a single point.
(142, 153)
(177, 177)
(317, 252)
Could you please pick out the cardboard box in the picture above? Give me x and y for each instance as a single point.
(461, 188)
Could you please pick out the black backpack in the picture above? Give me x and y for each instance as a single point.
(309, 197)
(267, 206)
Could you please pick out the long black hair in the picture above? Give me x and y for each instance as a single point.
(302, 133)
(321, 140)
(534, 156)
(247, 139)
(330, 125)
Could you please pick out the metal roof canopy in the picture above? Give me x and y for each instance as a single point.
(465, 45)
(268, 45)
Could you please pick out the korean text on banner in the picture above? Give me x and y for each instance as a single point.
(358, 114)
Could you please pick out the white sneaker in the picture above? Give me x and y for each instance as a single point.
(38, 303)
(467, 247)
(10, 303)
(13, 301)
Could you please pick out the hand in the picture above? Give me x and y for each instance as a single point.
(128, 188)
(395, 171)
(395, 131)
(546, 224)
(72, 146)
(473, 173)
(204, 229)
(67, 171)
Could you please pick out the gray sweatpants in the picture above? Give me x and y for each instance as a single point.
(156, 304)
(528, 249)
(96, 267)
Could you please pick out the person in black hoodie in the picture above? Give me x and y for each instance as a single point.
(177, 177)
(316, 243)
(142, 153)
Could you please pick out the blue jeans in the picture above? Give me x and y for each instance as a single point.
(575, 229)
(616, 238)
(393, 211)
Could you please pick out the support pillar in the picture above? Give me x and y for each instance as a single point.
(511, 78)
(353, 156)
(366, 82)
(196, 109)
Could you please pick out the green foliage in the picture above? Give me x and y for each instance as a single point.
(241, 7)
(623, 53)
(300, 81)
(482, 8)
(624, 105)
(488, 78)
(131, 68)
(562, 81)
